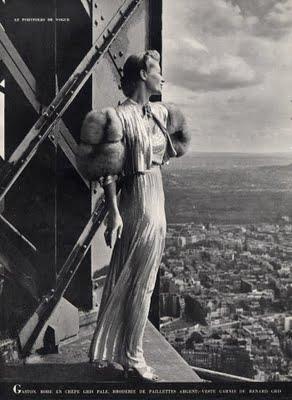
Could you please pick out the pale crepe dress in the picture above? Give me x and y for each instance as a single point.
(136, 257)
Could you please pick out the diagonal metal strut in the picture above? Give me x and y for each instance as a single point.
(32, 328)
(44, 125)
(27, 83)
(29, 146)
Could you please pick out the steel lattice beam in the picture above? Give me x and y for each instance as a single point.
(27, 83)
(48, 120)
(30, 331)
(22, 155)
(87, 4)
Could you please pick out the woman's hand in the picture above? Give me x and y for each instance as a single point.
(114, 224)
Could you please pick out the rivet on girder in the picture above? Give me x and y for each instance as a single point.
(121, 69)
(71, 271)
(119, 87)
(46, 299)
(45, 114)
(121, 53)
(52, 291)
(86, 72)
(95, 5)
(52, 137)
(95, 213)
(115, 56)
(71, 91)
(95, 191)
(102, 17)
(52, 107)
(84, 247)
(95, 22)
(39, 136)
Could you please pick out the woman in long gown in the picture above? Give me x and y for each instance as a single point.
(138, 219)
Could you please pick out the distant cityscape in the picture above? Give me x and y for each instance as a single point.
(226, 297)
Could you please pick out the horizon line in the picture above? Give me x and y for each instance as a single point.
(240, 152)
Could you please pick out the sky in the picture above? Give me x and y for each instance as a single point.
(228, 66)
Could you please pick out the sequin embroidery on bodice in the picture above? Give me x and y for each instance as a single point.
(158, 143)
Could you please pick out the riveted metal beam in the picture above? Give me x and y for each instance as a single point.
(32, 328)
(117, 54)
(102, 12)
(123, 45)
(18, 69)
(27, 83)
(48, 120)
(17, 233)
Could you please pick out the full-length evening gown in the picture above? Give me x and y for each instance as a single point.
(136, 256)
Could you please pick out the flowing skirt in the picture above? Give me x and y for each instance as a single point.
(132, 273)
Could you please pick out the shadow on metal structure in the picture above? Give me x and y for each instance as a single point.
(37, 262)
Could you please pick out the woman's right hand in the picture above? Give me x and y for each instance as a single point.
(114, 225)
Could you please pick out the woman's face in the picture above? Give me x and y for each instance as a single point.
(154, 81)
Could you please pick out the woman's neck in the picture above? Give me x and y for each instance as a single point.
(140, 96)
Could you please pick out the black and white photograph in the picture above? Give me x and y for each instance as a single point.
(145, 199)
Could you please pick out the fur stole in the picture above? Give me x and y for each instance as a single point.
(177, 129)
(101, 150)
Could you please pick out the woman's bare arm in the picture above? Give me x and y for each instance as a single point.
(114, 221)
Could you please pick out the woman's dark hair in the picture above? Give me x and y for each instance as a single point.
(132, 68)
